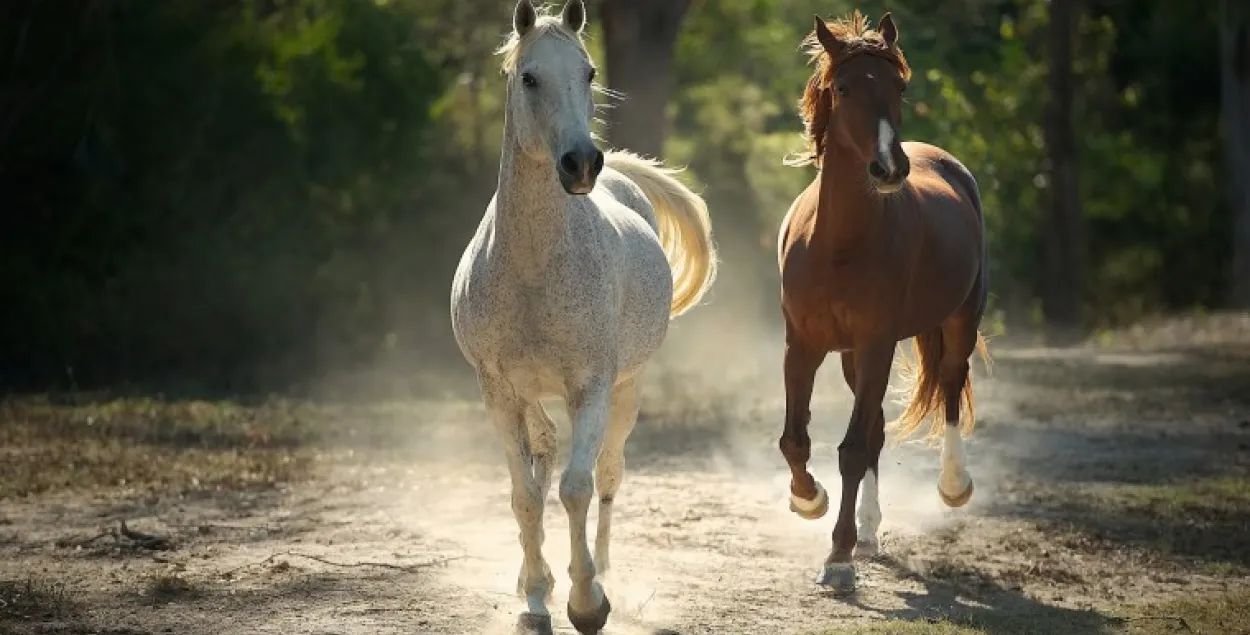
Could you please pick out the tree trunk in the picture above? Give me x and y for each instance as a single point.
(1065, 237)
(640, 38)
(1235, 103)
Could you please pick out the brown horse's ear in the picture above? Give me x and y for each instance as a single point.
(524, 17)
(888, 30)
(574, 15)
(832, 45)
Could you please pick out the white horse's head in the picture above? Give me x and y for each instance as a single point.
(550, 92)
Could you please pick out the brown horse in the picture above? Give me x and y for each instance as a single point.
(887, 243)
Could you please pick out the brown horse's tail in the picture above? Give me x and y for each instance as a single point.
(926, 397)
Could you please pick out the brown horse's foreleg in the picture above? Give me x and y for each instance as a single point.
(872, 374)
(868, 515)
(807, 498)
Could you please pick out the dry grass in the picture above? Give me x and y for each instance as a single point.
(1226, 614)
(1196, 520)
(1203, 498)
(986, 625)
(142, 444)
(28, 599)
(169, 588)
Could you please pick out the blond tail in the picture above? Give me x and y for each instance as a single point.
(926, 396)
(684, 226)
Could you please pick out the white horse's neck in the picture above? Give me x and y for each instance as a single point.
(530, 209)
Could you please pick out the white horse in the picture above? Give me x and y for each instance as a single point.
(566, 290)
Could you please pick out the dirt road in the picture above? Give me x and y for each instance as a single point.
(1106, 477)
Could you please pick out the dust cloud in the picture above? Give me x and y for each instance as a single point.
(704, 495)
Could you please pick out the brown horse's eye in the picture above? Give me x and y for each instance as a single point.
(841, 91)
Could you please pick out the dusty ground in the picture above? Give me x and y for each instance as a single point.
(1109, 478)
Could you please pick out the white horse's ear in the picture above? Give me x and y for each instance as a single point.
(574, 15)
(524, 17)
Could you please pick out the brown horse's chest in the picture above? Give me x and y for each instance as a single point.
(837, 308)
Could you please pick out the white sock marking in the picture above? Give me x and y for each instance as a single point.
(810, 505)
(954, 477)
(869, 508)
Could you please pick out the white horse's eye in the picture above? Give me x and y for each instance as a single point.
(528, 80)
(592, 74)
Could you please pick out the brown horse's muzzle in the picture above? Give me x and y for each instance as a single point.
(888, 173)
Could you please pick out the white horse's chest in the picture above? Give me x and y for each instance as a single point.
(589, 308)
(539, 326)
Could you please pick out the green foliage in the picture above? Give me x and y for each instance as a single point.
(206, 194)
(1150, 177)
(242, 193)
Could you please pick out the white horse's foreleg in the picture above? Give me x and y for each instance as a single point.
(535, 581)
(588, 608)
(611, 465)
(541, 438)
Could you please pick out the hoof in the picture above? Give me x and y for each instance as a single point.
(811, 509)
(838, 576)
(866, 548)
(591, 623)
(533, 624)
(957, 501)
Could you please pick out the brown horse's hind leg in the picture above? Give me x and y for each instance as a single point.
(869, 514)
(959, 340)
(872, 374)
(807, 498)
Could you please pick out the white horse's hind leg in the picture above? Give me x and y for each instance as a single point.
(543, 445)
(611, 465)
(588, 607)
(535, 581)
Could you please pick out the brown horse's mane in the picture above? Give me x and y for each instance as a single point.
(817, 103)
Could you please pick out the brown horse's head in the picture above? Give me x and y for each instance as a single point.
(854, 97)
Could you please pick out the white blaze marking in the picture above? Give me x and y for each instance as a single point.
(885, 138)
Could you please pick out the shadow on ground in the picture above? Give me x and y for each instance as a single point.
(968, 597)
(1157, 458)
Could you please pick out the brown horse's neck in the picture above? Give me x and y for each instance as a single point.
(849, 210)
